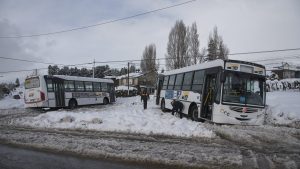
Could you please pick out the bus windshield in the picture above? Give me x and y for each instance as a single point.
(243, 88)
(32, 83)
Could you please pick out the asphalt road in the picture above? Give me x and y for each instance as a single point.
(19, 158)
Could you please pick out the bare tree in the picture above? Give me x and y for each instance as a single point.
(193, 44)
(176, 56)
(149, 66)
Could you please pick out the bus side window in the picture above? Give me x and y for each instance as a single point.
(69, 86)
(79, 86)
(88, 86)
(104, 87)
(171, 82)
(187, 82)
(97, 87)
(178, 82)
(49, 85)
(198, 81)
(165, 84)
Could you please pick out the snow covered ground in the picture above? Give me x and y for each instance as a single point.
(9, 103)
(83, 132)
(284, 108)
(127, 115)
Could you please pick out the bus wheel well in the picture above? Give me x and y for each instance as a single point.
(105, 100)
(73, 103)
(192, 106)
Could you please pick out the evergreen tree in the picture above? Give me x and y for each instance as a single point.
(132, 69)
(123, 71)
(53, 70)
(216, 47)
(64, 71)
(17, 83)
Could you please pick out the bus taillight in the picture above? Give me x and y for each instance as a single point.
(42, 96)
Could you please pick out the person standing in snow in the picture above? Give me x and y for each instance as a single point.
(177, 107)
(144, 97)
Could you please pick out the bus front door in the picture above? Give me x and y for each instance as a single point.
(208, 96)
(58, 86)
(158, 89)
(112, 94)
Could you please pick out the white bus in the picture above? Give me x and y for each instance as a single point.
(67, 91)
(229, 92)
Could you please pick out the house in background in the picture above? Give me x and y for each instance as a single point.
(137, 80)
(114, 78)
(287, 70)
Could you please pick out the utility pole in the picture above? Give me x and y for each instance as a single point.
(128, 78)
(94, 68)
(35, 72)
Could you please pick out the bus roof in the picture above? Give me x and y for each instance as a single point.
(86, 79)
(214, 63)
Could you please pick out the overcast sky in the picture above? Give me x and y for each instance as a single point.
(245, 26)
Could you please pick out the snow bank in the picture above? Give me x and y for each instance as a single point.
(127, 115)
(9, 103)
(283, 108)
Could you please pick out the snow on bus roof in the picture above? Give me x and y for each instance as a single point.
(205, 65)
(78, 78)
(125, 88)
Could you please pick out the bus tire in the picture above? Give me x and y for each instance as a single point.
(105, 101)
(194, 113)
(163, 105)
(72, 104)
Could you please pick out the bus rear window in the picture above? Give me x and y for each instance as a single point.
(32, 83)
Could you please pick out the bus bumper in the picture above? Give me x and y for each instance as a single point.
(37, 104)
(226, 116)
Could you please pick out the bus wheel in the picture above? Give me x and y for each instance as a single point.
(105, 101)
(72, 104)
(194, 113)
(163, 106)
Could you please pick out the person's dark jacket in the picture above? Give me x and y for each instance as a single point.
(177, 106)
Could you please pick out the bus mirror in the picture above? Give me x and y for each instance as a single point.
(223, 77)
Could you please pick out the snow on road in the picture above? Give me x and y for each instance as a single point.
(127, 115)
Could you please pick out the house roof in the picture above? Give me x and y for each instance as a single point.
(131, 75)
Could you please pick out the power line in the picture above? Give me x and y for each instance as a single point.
(139, 60)
(99, 24)
(29, 70)
(31, 61)
(278, 58)
(264, 51)
(47, 63)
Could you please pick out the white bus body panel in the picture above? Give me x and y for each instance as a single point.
(185, 97)
(223, 114)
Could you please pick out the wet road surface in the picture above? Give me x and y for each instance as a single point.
(19, 158)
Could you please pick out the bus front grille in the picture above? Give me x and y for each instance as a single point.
(240, 109)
